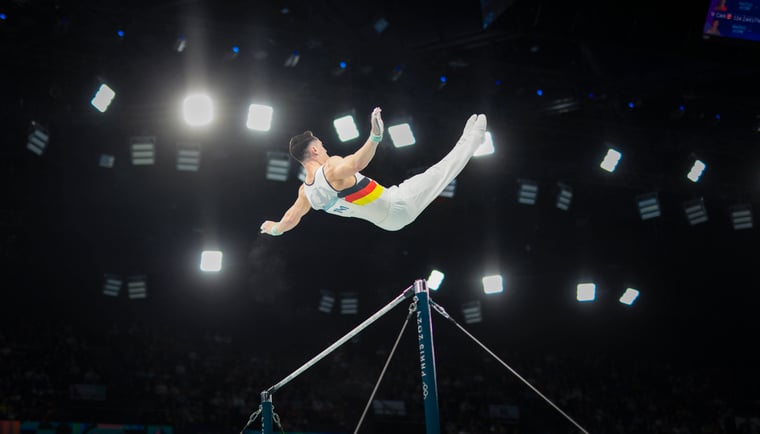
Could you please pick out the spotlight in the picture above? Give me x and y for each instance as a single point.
(540, 92)
(259, 117)
(106, 161)
(112, 285)
(741, 216)
(561, 105)
(380, 25)
(211, 261)
(450, 189)
(586, 292)
(493, 284)
(198, 110)
(3, 17)
(278, 166)
(401, 135)
(396, 73)
(485, 148)
(346, 128)
(472, 312)
(235, 49)
(180, 44)
(435, 279)
(137, 287)
(697, 169)
(564, 197)
(293, 59)
(38, 139)
(301, 173)
(103, 98)
(349, 304)
(143, 150)
(629, 296)
(326, 302)
(188, 157)
(695, 211)
(442, 81)
(528, 192)
(649, 206)
(611, 160)
(120, 33)
(340, 68)
(385, 407)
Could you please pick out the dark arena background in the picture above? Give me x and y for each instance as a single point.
(110, 325)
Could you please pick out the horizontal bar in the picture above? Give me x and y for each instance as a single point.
(408, 292)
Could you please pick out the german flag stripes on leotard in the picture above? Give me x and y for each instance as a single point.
(364, 192)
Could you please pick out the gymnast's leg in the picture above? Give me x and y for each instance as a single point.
(417, 192)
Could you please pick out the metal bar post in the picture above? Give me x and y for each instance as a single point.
(266, 412)
(427, 357)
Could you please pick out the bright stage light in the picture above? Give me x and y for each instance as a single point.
(103, 98)
(346, 128)
(611, 160)
(198, 110)
(586, 292)
(211, 261)
(485, 148)
(401, 135)
(697, 169)
(493, 284)
(629, 296)
(259, 117)
(435, 279)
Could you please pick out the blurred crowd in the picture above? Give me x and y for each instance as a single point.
(205, 381)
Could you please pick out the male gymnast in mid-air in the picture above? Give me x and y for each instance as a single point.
(335, 185)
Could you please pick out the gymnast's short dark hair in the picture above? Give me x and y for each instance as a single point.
(299, 145)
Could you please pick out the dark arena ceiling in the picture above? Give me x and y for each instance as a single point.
(637, 76)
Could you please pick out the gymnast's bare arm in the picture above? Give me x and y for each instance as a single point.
(339, 170)
(291, 218)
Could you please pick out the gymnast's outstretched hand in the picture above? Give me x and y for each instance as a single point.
(377, 122)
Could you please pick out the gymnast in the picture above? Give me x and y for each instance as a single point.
(335, 185)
